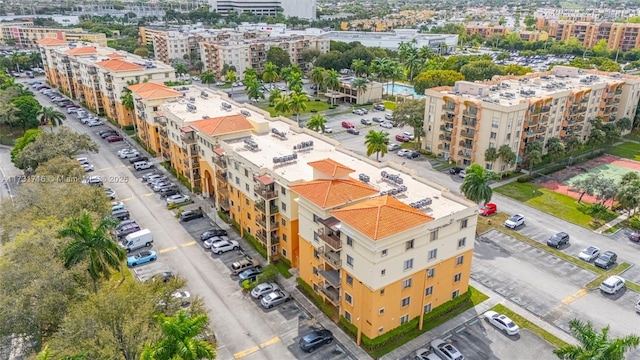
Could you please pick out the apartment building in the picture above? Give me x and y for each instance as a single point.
(98, 76)
(403, 19)
(619, 36)
(146, 35)
(533, 35)
(299, 194)
(463, 121)
(486, 31)
(26, 35)
(252, 53)
(351, 94)
(304, 9)
(440, 43)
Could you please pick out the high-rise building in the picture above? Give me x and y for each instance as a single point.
(304, 9)
(98, 76)
(463, 121)
(380, 246)
(618, 36)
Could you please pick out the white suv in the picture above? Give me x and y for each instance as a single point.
(445, 350)
(514, 221)
(612, 285)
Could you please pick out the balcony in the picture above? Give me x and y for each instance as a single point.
(272, 225)
(165, 144)
(221, 175)
(223, 190)
(220, 161)
(449, 109)
(332, 294)
(163, 132)
(262, 236)
(331, 257)
(259, 206)
(467, 134)
(618, 91)
(331, 276)
(160, 120)
(444, 147)
(446, 128)
(471, 123)
(331, 238)
(444, 137)
(265, 192)
(465, 154)
(188, 137)
(224, 204)
(466, 144)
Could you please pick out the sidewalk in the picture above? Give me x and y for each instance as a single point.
(612, 223)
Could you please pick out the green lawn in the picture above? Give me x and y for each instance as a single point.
(318, 106)
(559, 205)
(626, 150)
(389, 105)
(225, 86)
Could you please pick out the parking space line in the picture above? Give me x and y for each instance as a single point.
(114, 167)
(270, 342)
(577, 295)
(127, 199)
(188, 244)
(167, 249)
(148, 194)
(246, 352)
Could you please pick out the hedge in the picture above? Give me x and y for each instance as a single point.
(307, 291)
(254, 243)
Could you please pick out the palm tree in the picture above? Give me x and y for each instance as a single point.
(208, 77)
(180, 68)
(376, 142)
(92, 244)
(253, 88)
(274, 95)
(51, 116)
(285, 74)
(317, 123)
(295, 82)
(395, 72)
(270, 73)
(332, 81)
(555, 147)
(15, 60)
(282, 104)
(298, 103)
(380, 67)
(413, 63)
(476, 184)
(180, 339)
(317, 76)
(507, 155)
(230, 76)
(360, 84)
(359, 66)
(594, 345)
(35, 59)
(250, 72)
(573, 143)
(491, 155)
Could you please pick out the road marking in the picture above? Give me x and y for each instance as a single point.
(188, 244)
(568, 300)
(244, 353)
(111, 168)
(167, 249)
(577, 295)
(270, 342)
(127, 199)
(149, 194)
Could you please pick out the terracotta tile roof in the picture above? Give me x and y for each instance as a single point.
(331, 167)
(85, 50)
(119, 65)
(222, 125)
(51, 41)
(153, 91)
(219, 151)
(381, 217)
(264, 179)
(328, 193)
(115, 56)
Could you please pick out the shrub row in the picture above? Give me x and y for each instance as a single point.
(315, 298)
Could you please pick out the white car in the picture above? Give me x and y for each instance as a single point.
(178, 199)
(462, 174)
(224, 246)
(87, 167)
(83, 160)
(408, 135)
(589, 254)
(211, 241)
(327, 131)
(445, 350)
(514, 221)
(121, 151)
(387, 125)
(388, 116)
(393, 147)
(183, 296)
(502, 322)
(128, 154)
(110, 193)
(142, 165)
(638, 306)
(424, 354)
(612, 285)
(263, 289)
(403, 152)
(93, 123)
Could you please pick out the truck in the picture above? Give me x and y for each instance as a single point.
(136, 240)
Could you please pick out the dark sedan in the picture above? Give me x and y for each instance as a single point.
(315, 339)
(212, 233)
(135, 159)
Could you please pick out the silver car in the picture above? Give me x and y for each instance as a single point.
(263, 289)
(275, 298)
(209, 242)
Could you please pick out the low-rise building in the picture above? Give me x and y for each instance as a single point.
(463, 121)
(439, 43)
(26, 35)
(304, 9)
(349, 91)
(486, 31)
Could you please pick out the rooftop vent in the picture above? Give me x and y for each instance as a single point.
(392, 178)
(192, 99)
(303, 146)
(191, 108)
(364, 178)
(204, 95)
(279, 134)
(251, 144)
(421, 204)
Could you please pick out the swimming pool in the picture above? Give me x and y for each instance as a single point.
(401, 89)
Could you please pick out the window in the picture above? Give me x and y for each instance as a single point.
(409, 244)
(315, 236)
(427, 308)
(406, 283)
(380, 329)
(246, 187)
(249, 216)
(315, 218)
(246, 172)
(315, 254)
(349, 261)
(246, 201)
(408, 264)
(349, 241)
(457, 277)
(284, 237)
(284, 222)
(431, 273)
(284, 252)
(383, 272)
(434, 235)
(347, 316)
(460, 260)
(382, 292)
(404, 319)
(237, 180)
(381, 311)
(406, 301)
(494, 135)
(283, 190)
(428, 291)
(315, 271)
(462, 242)
(348, 298)
(464, 223)
(495, 124)
(455, 294)
(384, 252)
(349, 280)
(433, 254)
(488, 166)
(283, 206)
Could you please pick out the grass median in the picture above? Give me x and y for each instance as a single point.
(526, 324)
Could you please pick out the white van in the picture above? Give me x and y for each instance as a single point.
(136, 240)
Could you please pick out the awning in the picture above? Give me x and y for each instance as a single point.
(332, 223)
(264, 179)
(186, 129)
(219, 151)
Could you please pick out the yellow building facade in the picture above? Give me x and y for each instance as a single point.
(26, 35)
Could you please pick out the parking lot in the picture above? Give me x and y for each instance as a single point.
(478, 340)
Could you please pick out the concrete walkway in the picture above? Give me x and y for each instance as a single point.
(612, 223)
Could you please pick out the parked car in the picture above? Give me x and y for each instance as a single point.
(114, 138)
(110, 193)
(488, 209)
(388, 116)
(365, 122)
(357, 111)
(211, 241)
(93, 181)
(117, 205)
(638, 306)
(408, 135)
(353, 131)
(514, 221)
(212, 233)
(589, 254)
(224, 246)
(129, 154)
(315, 339)
(501, 322)
(401, 138)
(412, 154)
(425, 354)
(393, 147)
(137, 158)
(263, 289)
(166, 192)
(250, 274)
(559, 239)
(93, 123)
(142, 165)
(108, 134)
(87, 167)
(606, 260)
(142, 257)
(347, 125)
(161, 185)
(191, 215)
(244, 264)
(445, 350)
(612, 285)
(455, 170)
(178, 199)
(275, 298)
(634, 236)
(403, 152)
(379, 107)
(327, 130)
(386, 125)
(376, 119)
(462, 173)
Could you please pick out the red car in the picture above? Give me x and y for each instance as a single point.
(114, 138)
(488, 209)
(401, 138)
(347, 125)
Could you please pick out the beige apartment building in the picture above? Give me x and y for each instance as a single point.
(486, 31)
(26, 35)
(98, 76)
(331, 213)
(463, 121)
(619, 36)
(253, 53)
